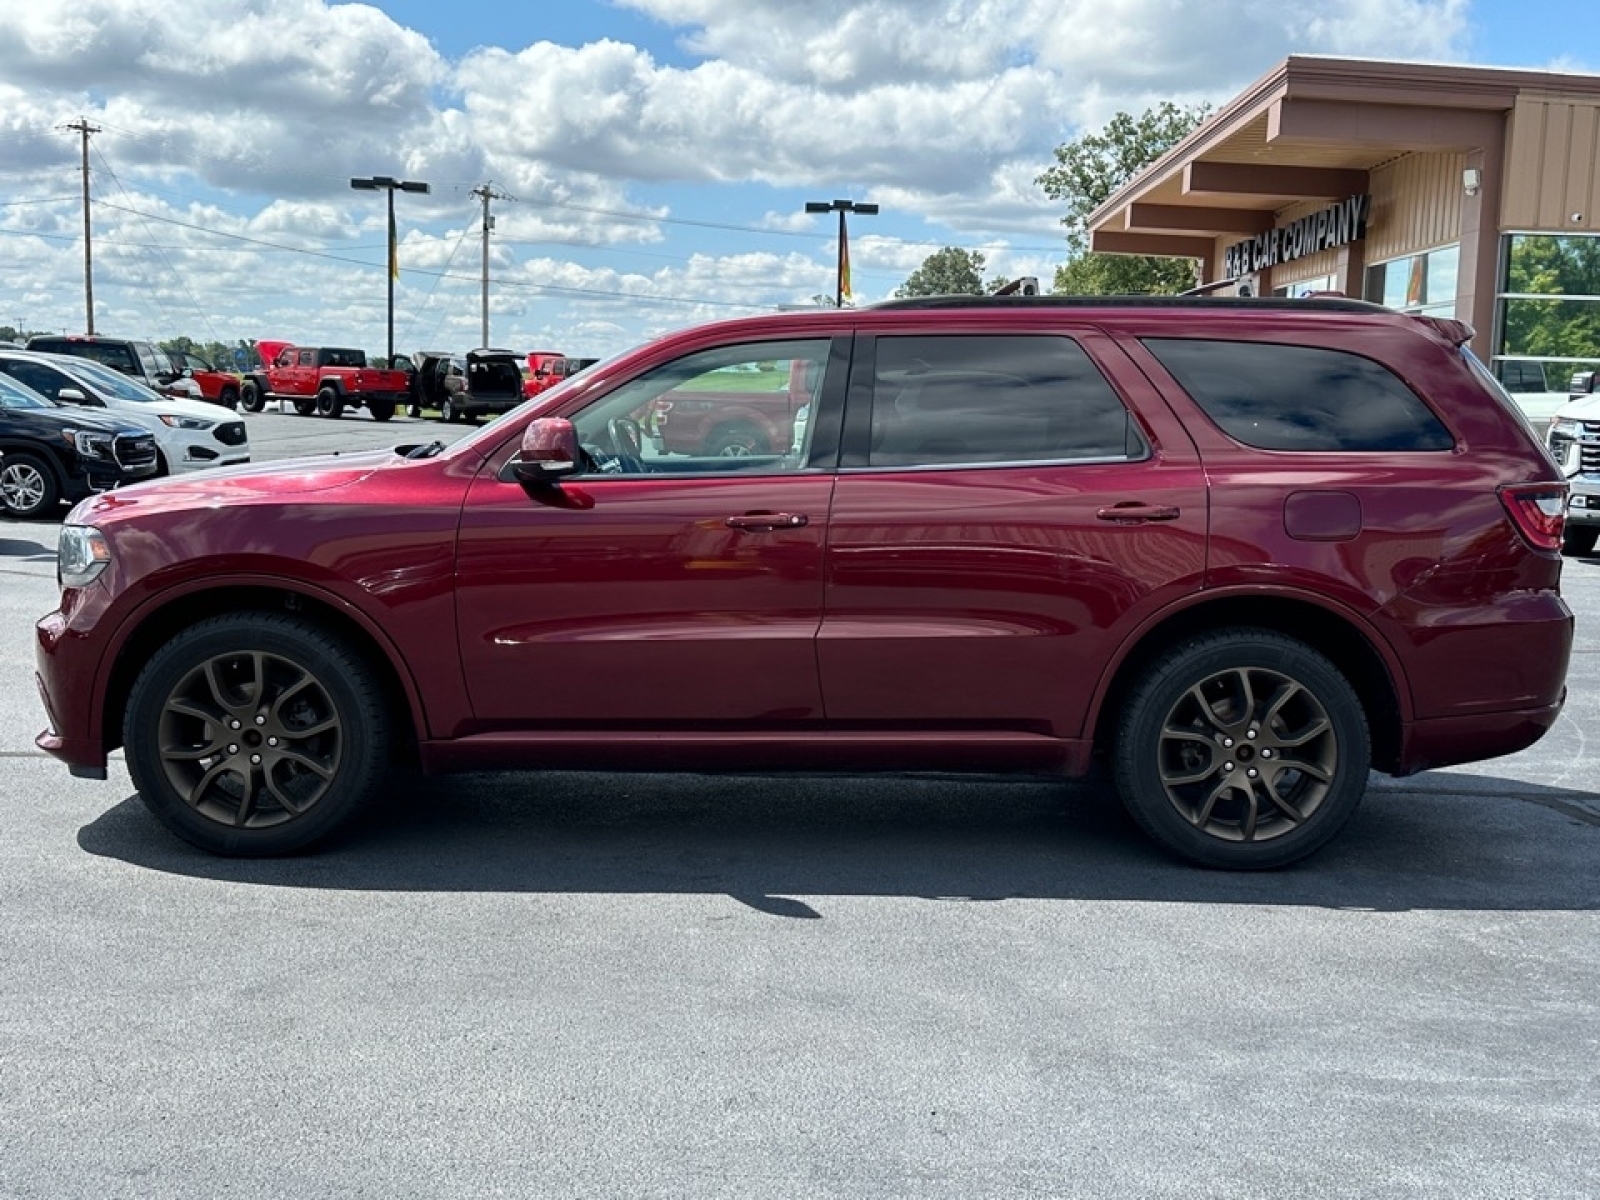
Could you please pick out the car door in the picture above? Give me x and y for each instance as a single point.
(1005, 515)
(655, 589)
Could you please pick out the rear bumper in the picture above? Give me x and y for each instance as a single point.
(1449, 741)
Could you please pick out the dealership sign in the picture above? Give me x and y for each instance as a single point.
(1339, 225)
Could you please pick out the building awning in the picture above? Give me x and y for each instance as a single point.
(1310, 130)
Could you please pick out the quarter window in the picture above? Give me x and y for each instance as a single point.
(960, 399)
(1276, 397)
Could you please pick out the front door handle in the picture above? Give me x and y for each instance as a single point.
(1134, 512)
(765, 522)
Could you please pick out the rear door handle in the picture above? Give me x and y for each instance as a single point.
(1133, 512)
(766, 522)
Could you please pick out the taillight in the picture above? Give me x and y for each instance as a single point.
(1538, 511)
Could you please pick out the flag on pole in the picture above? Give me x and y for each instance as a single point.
(394, 250)
(844, 265)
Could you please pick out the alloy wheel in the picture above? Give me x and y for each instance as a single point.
(250, 739)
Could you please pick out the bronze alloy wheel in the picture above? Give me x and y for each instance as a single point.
(1241, 748)
(250, 739)
(255, 733)
(1247, 755)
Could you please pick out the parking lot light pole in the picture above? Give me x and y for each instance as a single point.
(841, 207)
(391, 185)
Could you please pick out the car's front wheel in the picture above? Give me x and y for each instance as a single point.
(1243, 749)
(255, 734)
(1579, 540)
(251, 397)
(28, 486)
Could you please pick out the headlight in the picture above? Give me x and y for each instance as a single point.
(81, 556)
(90, 443)
(1566, 428)
(187, 422)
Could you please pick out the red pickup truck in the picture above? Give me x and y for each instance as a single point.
(324, 380)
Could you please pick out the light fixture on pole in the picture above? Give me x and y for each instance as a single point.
(841, 207)
(391, 185)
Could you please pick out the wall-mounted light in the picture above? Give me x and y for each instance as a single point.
(1471, 180)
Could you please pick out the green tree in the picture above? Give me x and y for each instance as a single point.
(949, 272)
(1088, 171)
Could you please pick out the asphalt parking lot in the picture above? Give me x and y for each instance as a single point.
(676, 985)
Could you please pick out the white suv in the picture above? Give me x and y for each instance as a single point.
(1574, 442)
(190, 434)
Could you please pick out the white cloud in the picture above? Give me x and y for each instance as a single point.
(236, 125)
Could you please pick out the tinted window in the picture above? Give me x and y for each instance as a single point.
(1300, 397)
(977, 399)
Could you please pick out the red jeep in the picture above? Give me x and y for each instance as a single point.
(324, 380)
(546, 368)
(751, 409)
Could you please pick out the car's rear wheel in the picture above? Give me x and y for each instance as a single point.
(28, 486)
(1579, 539)
(228, 397)
(330, 403)
(1242, 748)
(736, 439)
(255, 734)
(251, 397)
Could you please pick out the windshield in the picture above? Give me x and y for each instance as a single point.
(108, 382)
(15, 395)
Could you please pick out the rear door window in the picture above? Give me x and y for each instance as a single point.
(1277, 397)
(960, 399)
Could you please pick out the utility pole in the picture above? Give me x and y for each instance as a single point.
(487, 193)
(83, 127)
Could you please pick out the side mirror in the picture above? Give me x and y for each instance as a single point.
(548, 454)
(74, 396)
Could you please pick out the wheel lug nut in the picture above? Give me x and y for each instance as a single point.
(272, 741)
(233, 749)
(1227, 742)
(1266, 752)
(234, 724)
(1227, 766)
(1252, 772)
(261, 719)
(256, 759)
(1251, 734)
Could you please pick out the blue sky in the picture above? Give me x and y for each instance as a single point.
(656, 154)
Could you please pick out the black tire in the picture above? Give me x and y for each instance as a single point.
(1243, 749)
(251, 397)
(28, 485)
(447, 412)
(228, 397)
(304, 405)
(253, 734)
(1579, 540)
(330, 403)
(737, 438)
(163, 468)
(381, 410)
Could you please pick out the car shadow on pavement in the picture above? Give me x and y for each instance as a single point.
(770, 841)
(27, 551)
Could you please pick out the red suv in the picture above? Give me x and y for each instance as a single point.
(1240, 550)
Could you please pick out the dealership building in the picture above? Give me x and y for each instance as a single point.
(1470, 192)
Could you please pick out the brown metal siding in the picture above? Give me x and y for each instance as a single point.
(1416, 206)
(1553, 165)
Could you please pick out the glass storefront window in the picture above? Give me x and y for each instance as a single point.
(1307, 287)
(1421, 283)
(1549, 310)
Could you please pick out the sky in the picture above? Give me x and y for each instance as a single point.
(651, 159)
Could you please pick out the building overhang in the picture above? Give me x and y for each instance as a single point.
(1310, 130)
